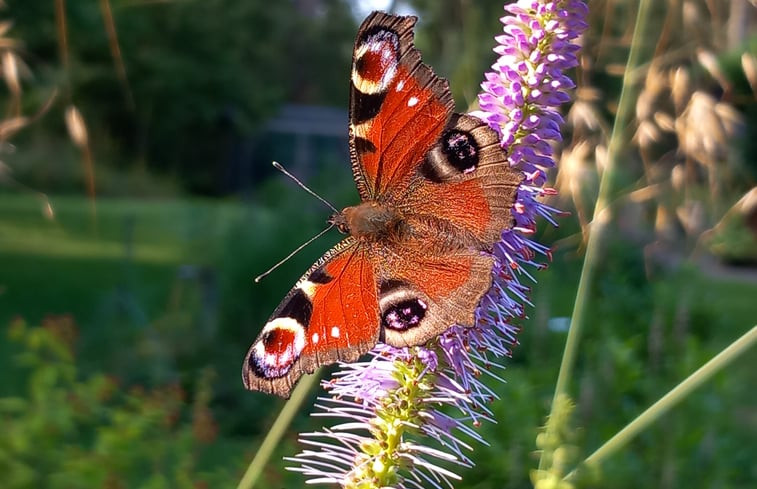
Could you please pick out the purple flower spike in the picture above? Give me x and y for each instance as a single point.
(391, 430)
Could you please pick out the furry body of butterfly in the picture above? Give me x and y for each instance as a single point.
(371, 221)
(436, 191)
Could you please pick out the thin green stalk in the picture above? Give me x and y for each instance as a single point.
(278, 429)
(669, 400)
(601, 216)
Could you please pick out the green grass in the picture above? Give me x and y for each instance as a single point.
(70, 264)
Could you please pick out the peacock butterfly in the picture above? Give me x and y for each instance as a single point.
(436, 191)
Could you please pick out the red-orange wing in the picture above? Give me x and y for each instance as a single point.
(464, 184)
(398, 106)
(331, 314)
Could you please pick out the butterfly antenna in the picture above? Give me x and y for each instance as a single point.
(290, 255)
(278, 166)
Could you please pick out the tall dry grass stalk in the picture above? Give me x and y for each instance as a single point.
(75, 123)
(14, 70)
(684, 127)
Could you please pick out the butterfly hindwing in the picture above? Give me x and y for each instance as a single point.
(422, 294)
(330, 315)
(465, 183)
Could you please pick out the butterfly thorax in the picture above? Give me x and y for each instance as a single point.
(371, 221)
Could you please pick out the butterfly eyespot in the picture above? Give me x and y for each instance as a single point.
(376, 61)
(457, 152)
(279, 346)
(404, 315)
(461, 150)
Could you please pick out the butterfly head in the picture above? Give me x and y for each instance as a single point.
(340, 222)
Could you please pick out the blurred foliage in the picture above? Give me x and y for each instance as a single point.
(198, 74)
(734, 242)
(180, 299)
(456, 40)
(69, 430)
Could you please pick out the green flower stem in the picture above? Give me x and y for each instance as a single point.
(661, 407)
(601, 214)
(277, 431)
(378, 465)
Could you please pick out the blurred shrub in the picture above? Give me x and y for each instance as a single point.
(53, 164)
(72, 431)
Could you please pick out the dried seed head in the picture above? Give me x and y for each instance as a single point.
(680, 87)
(10, 72)
(678, 177)
(729, 118)
(601, 156)
(709, 61)
(645, 105)
(664, 121)
(665, 225)
(706, 128)
(749, 65)
(646, 134)
(576, 172)
(656, 81)
(583, 117)
(77, 130)
(5, 26)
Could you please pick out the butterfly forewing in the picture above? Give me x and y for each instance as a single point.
(398, 106)
(324, 318)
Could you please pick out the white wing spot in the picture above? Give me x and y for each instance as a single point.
(308, 288)
(335, 332)
(400, 85)
(412, 102)
(315, 338)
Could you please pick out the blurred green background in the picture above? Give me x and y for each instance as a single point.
(127, 254)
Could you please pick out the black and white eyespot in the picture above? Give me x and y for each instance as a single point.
(280, 345)
(376, 60)
(460, 149)
(456, 153)
(282, 340)
(401, 307)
